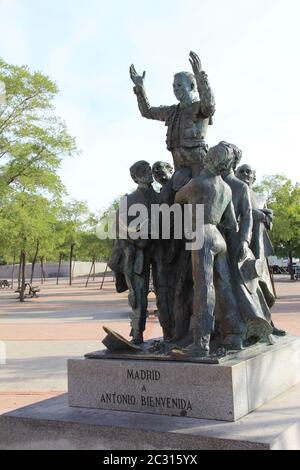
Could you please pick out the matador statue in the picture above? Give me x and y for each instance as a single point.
(187, 121)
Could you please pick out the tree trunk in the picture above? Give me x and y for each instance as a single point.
(34, 260)
(104, 275)
(59, 267)
(42, 270)
(88, 278)
(71, 266)
(44, 274)
(291, 269)
(19, 273)
(23, 284)
(94, 270)
(73, 269)
(13, 271)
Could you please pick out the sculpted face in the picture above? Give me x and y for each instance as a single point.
(247, 174)
(162, 172)
(141, 173)
(183, 87)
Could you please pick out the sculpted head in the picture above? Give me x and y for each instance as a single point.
(236, 157)
(247, 174)
(185, 87)
(141, 173)
(162, 172)
(219, 158)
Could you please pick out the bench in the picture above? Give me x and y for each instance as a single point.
(32, 291)
(4, 284)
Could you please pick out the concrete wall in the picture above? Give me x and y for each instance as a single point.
(81, 268)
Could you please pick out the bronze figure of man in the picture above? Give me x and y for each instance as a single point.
(188, 121)
(211, 272)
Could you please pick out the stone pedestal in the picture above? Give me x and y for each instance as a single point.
(52, 424)
(227, 391)
(223, 392)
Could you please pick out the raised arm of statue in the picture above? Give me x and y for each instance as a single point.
(158, 113)
(207, 99)
(138, 80)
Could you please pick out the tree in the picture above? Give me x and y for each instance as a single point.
(74, 218)
(33, 140)
(89, 250)
(27, 222)
(91, 247)
(284, 198)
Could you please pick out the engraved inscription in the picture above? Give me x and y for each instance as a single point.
(118, 399)
(143, 375)
(146, 401)
(166, 402)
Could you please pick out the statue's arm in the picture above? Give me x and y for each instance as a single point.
(264, 216)
(207, 99)
(158, 113)
(228, 222)
(145, 108)
(268, 218)
(246, 219)
(184, 194)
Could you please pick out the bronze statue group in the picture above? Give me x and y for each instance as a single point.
(221, 294)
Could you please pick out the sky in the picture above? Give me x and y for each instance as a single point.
(250, 50)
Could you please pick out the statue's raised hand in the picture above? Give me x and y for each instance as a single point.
(195, 63)
(138, 80)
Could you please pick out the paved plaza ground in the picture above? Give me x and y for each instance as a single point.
(66, 322)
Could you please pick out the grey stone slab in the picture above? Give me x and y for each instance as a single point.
(240, 398)
(51, 424)
(226, 391)
(175, 389)
(272, 373)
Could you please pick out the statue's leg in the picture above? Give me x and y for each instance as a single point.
(202, 322)
(183, 295)
(230, 323)
(161, 291)
(140, 284)
(192, 158)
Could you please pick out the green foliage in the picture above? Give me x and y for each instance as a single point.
(24, 219)
(91, 248)
(284, 198)
(33, 140)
